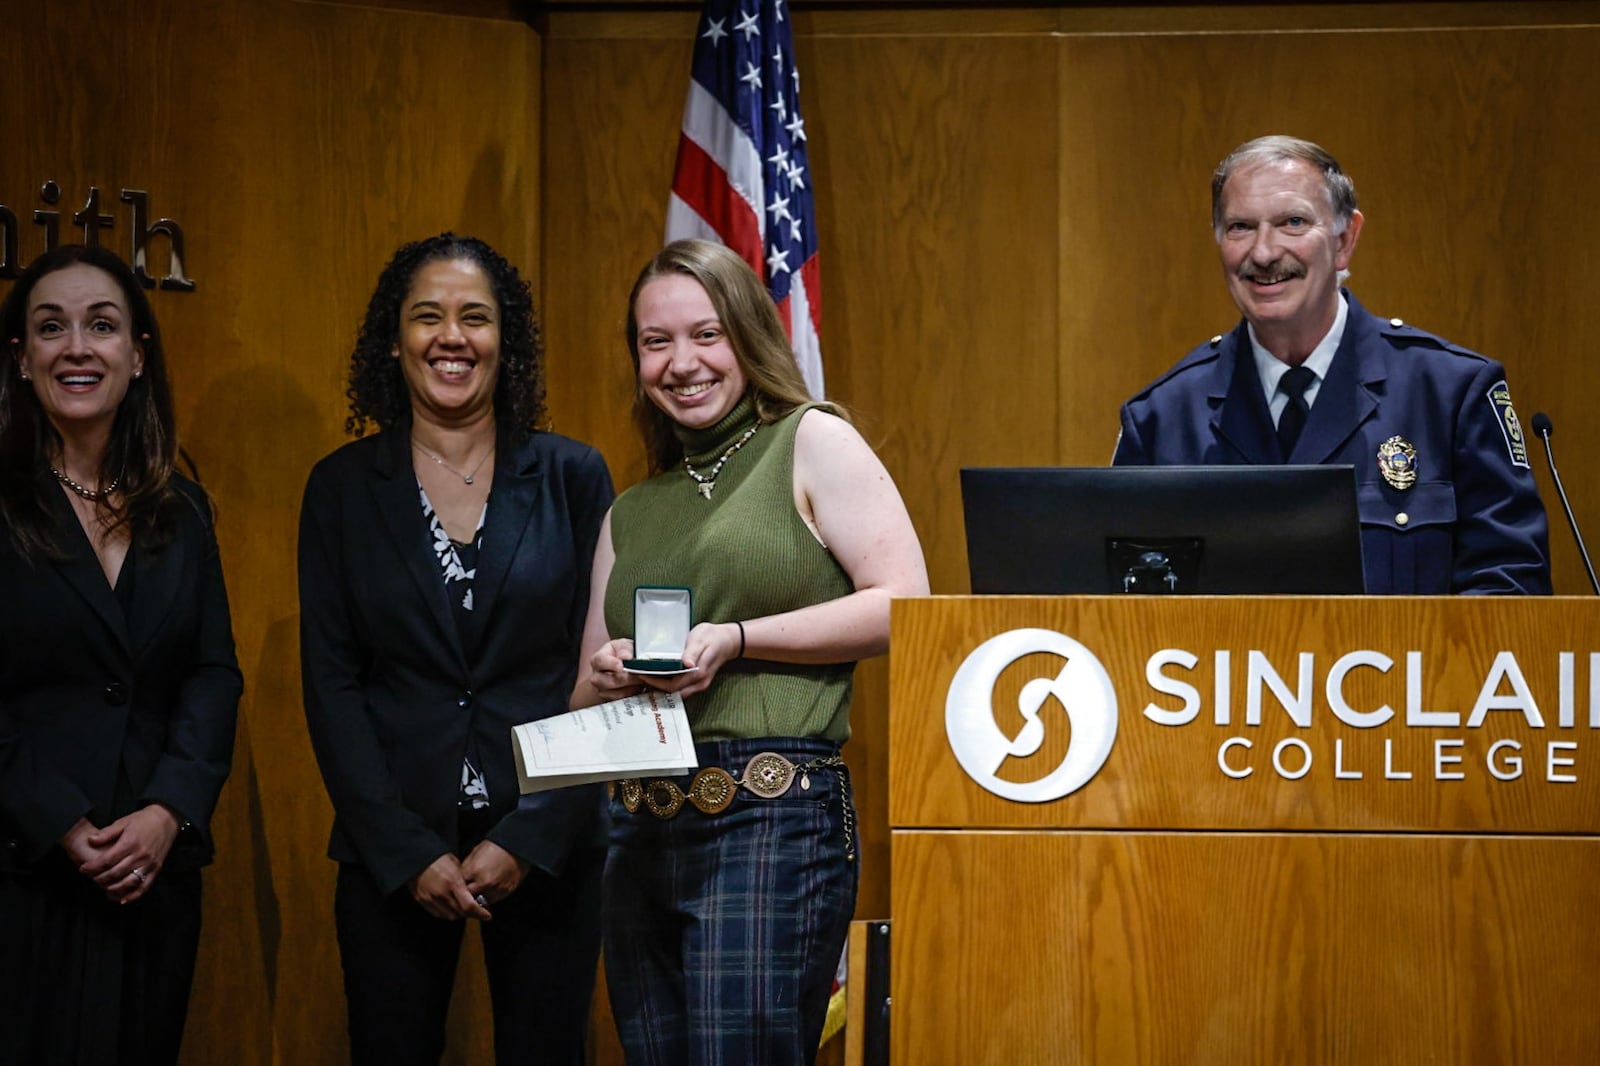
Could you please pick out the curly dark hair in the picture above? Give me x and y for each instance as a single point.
(377, 387)
(143, 451)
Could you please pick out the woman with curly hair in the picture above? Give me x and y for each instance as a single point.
(118, 682)
(444, 566)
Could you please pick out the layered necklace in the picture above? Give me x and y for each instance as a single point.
(707, 483)
(92, 495)
(467, 477)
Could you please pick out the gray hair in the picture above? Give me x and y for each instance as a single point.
(1279, 149)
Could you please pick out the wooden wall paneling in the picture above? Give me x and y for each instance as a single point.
(612, 112)
(1243, 949)
(937, 158)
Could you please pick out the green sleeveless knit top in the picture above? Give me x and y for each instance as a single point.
(746, 553)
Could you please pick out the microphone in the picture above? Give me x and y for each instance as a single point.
(1542, 426)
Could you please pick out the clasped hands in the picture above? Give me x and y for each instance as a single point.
(452, 888)
(125, 857)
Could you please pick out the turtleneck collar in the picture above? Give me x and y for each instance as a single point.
(700, 445)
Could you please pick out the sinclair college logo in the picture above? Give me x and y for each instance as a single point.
(1083, 688)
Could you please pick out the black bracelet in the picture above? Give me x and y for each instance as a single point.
(741, 640)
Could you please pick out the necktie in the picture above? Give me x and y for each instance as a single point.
(1293, 384)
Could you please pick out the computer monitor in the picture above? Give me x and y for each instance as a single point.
(1162, 529)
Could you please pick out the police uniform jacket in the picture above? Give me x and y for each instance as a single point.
(1470, 521)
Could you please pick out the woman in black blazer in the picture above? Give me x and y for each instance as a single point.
(118, 683)
(444, 577)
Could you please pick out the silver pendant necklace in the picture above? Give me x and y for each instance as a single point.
(467, 477)
(707, 483)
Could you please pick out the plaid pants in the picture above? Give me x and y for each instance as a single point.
(722, 932)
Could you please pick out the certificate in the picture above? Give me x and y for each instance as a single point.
(631, 737)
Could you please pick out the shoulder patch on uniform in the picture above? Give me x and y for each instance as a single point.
(1510, 425)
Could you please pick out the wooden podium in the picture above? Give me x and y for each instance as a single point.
(1332, 830)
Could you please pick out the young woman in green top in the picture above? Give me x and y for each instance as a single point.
(729, 890)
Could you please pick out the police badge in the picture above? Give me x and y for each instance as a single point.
(1397, 462)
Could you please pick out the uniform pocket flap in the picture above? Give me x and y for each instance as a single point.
(1427, 503)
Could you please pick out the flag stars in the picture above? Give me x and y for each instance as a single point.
(780, 157)
(751, 76)
(747, 24)
(777, 263)
(796, 175)
(777, 10)
(779, 208)
(797, 127)
(795, 231)
(780, 107)
(714, 31)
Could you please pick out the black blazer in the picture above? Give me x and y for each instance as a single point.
(392, 695)
(88, 692)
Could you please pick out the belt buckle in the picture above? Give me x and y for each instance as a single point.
(712, 790)
(632, 794)
(768, 775)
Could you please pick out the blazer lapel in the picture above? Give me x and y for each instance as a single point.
(516, 485)
(157, 577)
(1345, 399)
(1242, 418)
(399, 504)
(81, 569)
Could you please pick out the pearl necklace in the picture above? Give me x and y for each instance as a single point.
(707, 483)
(467, 477)
(92, 495)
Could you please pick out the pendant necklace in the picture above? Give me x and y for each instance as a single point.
(467, 477)
(706, 483)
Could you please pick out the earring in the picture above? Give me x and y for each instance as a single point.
(136, 373)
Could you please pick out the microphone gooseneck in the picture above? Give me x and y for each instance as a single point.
(1542, 426)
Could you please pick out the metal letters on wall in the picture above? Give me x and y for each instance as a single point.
(91, 221)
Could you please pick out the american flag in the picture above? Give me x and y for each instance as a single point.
(742, 175)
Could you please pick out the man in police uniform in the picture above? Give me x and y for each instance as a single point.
(1445, 489)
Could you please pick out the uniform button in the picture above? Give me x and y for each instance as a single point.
(465, 701)
(116, 694)
(1396, 322)
(1401, 519)
(1216, 340)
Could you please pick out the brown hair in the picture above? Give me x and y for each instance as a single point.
(754, 330)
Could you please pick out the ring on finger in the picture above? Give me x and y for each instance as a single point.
(138, 874)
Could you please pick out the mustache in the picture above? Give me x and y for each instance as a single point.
(1278, 269)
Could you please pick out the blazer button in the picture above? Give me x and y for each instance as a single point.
(465, 701)
(116, 694)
